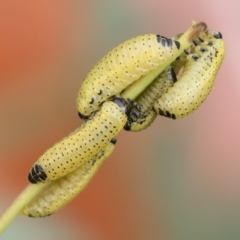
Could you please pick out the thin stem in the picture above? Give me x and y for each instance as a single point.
(131, 92)
(25, 197)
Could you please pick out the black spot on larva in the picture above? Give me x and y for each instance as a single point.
(158, 38)
(31, 180)
(161, 112)
(195, 42)
(100, 92)
(82, 116)
(31, 175)
(168, 114)
(136, 114)
(138, 107)
(200, 39)
(43, 176)
(173, 116)
(202, 49)
(113, 141)
(177, 44)
(164, 41)
(169, 42)
(186, 52)
(173, 75)
(92, 101)
(195, 58)
(94, 161)
(217, 35)
(37, 174)
(127, 126)
(210, 43)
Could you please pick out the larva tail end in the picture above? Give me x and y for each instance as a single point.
(197, 28)
(37, 174)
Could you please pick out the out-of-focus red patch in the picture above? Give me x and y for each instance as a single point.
(31, 32)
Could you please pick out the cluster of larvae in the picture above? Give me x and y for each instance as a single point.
(176, 92)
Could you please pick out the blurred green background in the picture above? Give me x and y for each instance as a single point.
(178, 180)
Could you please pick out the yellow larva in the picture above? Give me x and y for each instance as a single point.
(80, 146)
(63, 190)
(75, 159)
(121, 67)
(160, 85)
(197, 79)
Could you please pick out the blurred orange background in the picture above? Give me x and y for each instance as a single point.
(177, 180)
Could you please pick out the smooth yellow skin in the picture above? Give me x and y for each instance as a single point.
(84, 143)
(63, 190)
(196, 81)
(122, 66)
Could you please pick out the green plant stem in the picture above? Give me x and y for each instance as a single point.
(25, 197)
(131, 92)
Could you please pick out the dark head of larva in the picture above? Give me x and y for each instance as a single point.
(37, 174)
